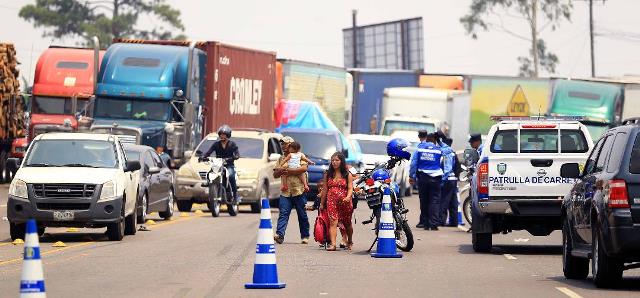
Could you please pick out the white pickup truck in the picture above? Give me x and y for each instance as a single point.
(74, 180)
(517, 183)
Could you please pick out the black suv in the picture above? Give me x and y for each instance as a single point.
(601, 214)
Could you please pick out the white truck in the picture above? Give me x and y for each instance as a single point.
(410, 109)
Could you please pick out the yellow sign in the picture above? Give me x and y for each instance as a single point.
(518, 106)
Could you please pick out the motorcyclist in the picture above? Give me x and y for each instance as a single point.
(228, 150)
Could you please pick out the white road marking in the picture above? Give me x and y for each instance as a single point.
(568, 292)
(509, 257)
(521, 240)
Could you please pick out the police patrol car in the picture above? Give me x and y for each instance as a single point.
(517, 185)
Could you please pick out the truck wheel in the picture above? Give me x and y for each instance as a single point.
(167, 214)
(184, 205)
(482, 242)
(606, 270)
(131, 223)
(115, 231)
(573, 267)
(16, 231)
(41, 231)
(264, 192)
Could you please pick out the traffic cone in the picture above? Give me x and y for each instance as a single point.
(460, 219)
(32, 280)
(265, 270)
(386, 231)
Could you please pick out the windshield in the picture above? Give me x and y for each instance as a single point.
(138, 109)
(318, 145)
(391, 126)
(373, 147)
(54, 105)
(596, 130)
(248, 147)
(58, 153)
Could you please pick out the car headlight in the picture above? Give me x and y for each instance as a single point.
(108, 190)
(18, 188)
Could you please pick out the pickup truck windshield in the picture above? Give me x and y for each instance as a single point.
(248, 147)
(539, 141)
(318, 145)
(72, 153)
(54, 105)
(373, 147)
(136, 109)
(393, 125)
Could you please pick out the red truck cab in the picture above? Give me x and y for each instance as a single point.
(63, 83)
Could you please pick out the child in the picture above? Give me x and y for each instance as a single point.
(293, 162)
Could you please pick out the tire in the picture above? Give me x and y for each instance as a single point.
(144, 205)
(573, 267)
(607, 271)
(17, 231)
(466, 210)
(131, 223)
(213, 204)
(482, 242)
(115, 231)
(168, 213)
(184, 205)
(41, 231)
(3, 167)
(408, 235)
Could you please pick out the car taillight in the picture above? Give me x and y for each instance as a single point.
(618, 196)
(370, 182)
(483, 179)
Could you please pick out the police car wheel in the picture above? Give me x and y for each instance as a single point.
(482, 242)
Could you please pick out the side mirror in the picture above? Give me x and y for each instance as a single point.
(187, 154)
(274, 156)
(132, 165)
(198, 153)
(14, 163)
(154, 170)
(74, 104)
(570, 170)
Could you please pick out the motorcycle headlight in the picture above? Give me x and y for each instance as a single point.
(18, 188)
(108, 190)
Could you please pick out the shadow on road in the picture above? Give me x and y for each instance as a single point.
(516, 249)
(631, 283)
(72, 237)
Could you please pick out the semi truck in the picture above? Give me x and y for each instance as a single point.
(12, 110)
(168, 94)
(406, 110)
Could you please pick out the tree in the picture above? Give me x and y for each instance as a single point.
(553, 12)
(106, 19)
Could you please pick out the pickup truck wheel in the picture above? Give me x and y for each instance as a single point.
(184, 205)
(41, 231)
(131, 223)
(606, 271)
(482, 242)
(16, 231)
(115, 231)
(573, 267)
(168, 213)
(264, 192)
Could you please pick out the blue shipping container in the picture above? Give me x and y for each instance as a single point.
(368, 86)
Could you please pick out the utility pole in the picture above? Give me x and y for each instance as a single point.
(534, 37)
(354, 38)
(593, 63)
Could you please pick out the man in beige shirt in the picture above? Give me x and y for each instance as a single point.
(292, 197)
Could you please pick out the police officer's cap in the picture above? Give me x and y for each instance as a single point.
(475, 137)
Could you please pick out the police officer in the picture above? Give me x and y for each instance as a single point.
(475, 140)
(426, 169)
(228, 150)
(449, 184)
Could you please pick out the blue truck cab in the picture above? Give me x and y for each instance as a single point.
(152, 95)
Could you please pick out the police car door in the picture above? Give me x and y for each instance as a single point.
(525, 159)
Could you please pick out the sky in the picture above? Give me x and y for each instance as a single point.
(312, 31)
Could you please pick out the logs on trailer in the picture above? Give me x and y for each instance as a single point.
(11, 100)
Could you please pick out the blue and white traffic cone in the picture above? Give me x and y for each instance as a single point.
(265, 270)
(386, 231)
(460, 219)
(32, 280)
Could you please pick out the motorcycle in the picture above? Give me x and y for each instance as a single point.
(220, 191)
(372, 191)
(468, 169)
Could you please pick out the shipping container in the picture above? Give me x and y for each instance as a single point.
(368, 90)
(449, 82)
(323, 84)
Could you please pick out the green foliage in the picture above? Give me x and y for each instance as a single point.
(106, 19)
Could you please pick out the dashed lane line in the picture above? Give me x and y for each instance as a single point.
(568, 292)
(509, 257)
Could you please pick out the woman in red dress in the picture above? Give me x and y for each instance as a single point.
(336, 197)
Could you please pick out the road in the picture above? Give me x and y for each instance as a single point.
(202, 256)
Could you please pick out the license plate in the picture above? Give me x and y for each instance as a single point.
(63, 215)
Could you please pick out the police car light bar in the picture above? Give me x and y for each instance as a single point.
(538, 118)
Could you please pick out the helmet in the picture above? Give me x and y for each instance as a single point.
(225, 129)
(397, 148)
(380, 174)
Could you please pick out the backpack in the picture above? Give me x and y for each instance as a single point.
(321, 227)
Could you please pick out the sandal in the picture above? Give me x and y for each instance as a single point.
(331, 248)
(342, 245)
(349, 245)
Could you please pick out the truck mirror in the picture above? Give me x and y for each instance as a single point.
(132, 165)
(198, 153)
(570, 170)
(74, 104)
(187, 154)
(274, 156)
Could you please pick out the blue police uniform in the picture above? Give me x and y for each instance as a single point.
(449, 199)
(426, 169)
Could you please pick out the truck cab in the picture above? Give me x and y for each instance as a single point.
(152, 95)
(64, 81)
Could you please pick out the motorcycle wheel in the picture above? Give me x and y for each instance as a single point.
(466, 209)
(404, 237)
(213, 204)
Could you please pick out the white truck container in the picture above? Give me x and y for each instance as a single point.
(413, 108)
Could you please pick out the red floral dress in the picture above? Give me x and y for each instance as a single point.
(337, 206)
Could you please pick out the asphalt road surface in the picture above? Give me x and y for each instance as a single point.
(202, 256)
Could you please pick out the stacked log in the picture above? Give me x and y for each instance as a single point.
(11, 100)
